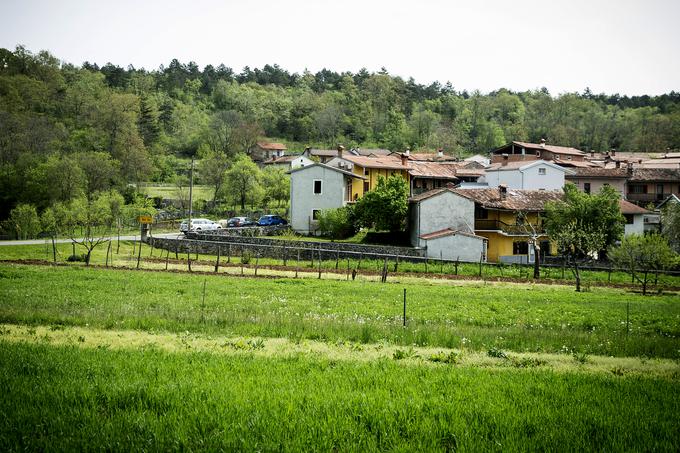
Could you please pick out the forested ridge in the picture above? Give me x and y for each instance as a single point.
(67, 129)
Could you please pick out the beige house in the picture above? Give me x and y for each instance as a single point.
(592, 179)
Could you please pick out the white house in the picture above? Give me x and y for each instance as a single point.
(443, 223)
(635, 217)
(532, 175)
(314, 188)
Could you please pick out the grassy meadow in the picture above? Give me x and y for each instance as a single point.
(123, 359)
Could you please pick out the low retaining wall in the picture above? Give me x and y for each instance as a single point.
(279, 248)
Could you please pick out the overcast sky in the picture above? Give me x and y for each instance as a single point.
(628, 47)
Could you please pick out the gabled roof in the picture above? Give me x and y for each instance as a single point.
(655, 174)
(448, 232)
(432, 157)
(387, 162)
(271, 146)
(433, 170)
(328, 167)
(599, 172)
(523, 165)
(566, 150)
(429, 194)
(629, 208)
(672, 198)
(370, 152)
(514, 199)
(280, 160)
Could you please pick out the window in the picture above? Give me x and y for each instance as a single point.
(586, 187)
(630, 219)
(317, 186)
(315, 214)
(520, 248)
(481, 213)
(541, 171)
(366, 186)
(365, 171)
(637, 188)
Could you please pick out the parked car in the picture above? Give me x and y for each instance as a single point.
(237, 222)
(199, 225)
(267, 220)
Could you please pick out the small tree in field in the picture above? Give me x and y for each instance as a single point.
(386, 206)
(670, 225)
(88, 221)
(584, 225)
(24, 221)
(642, 255)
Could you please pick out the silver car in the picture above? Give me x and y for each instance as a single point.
(199, 225)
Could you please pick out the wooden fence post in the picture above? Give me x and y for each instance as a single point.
(456, 265)
(217, 263)
(139, 254)
(396, 263)
(257, 262)
(228, 253)
(481, 258)
(297, 266)
(108, 251)
(337, 259)
(319, 261)
(241, 260)
(404, 307)
(441, 262)
(285, 256)
(189, 256)
(361, 255)
(167, 258)
(347, 268)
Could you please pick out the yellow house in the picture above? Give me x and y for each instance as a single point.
(510, 219)
(371, 168)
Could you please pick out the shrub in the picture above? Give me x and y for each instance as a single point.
(497, 353)
(337, 223)
(82, 258)
(246, 256)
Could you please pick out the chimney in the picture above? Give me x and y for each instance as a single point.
(612, 152)
(505, 159)
(630, 169)
(618, 164)
(542, 143)
(592, 153)
(503, 191)
(340, 150)
(407, 152)
(404, 158)
(440, 152)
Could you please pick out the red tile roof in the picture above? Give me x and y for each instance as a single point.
(433, 170)
(514, 200)
(629, 208)
(272, 146)
(655, 174)
(566, 150)
(386, 162)
(599, 172)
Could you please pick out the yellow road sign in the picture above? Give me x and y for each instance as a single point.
(145, 219)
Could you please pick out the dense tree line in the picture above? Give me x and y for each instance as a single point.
(68, 131)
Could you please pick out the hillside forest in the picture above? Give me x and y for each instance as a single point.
(68, 131)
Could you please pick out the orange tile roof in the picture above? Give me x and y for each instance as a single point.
(271, 146)
(629, 208)
(387, 162)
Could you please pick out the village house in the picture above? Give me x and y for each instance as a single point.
(288, 162)
(507, 218)
(263, 151)
(515, 151)
(370, 169)
(652, 185)
(592, 179)
(635, 217)
(325, 155)
(530, 175)
(314, 188)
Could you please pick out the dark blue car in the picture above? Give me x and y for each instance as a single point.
(267, 220)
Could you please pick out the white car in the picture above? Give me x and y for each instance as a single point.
(199, 225)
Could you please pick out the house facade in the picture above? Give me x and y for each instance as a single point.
(441, 221)
(635, 217)
(314, 188)
(515, 151)
(652, 185)
(526, 175)
(592, 179)
(263, 151)
(370, 169)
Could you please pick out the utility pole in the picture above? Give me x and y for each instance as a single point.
(191, 190)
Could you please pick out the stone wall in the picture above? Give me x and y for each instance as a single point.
(278, 248)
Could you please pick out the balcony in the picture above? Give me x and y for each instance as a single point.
(512, 229)
(646, 197)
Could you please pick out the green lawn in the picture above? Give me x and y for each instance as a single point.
(111, 359)
(170, 191)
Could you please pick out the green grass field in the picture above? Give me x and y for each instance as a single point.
(120, 359)
(169, 191)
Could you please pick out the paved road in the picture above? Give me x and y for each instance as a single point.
(62, 241)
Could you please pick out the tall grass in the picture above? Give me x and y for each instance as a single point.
(530, 318)
(70, 399)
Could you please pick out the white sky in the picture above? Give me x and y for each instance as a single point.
(626, 46)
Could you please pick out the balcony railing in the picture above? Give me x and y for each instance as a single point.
(646, 197)
(497, 225)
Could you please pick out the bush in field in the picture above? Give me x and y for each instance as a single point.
(337, 223)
